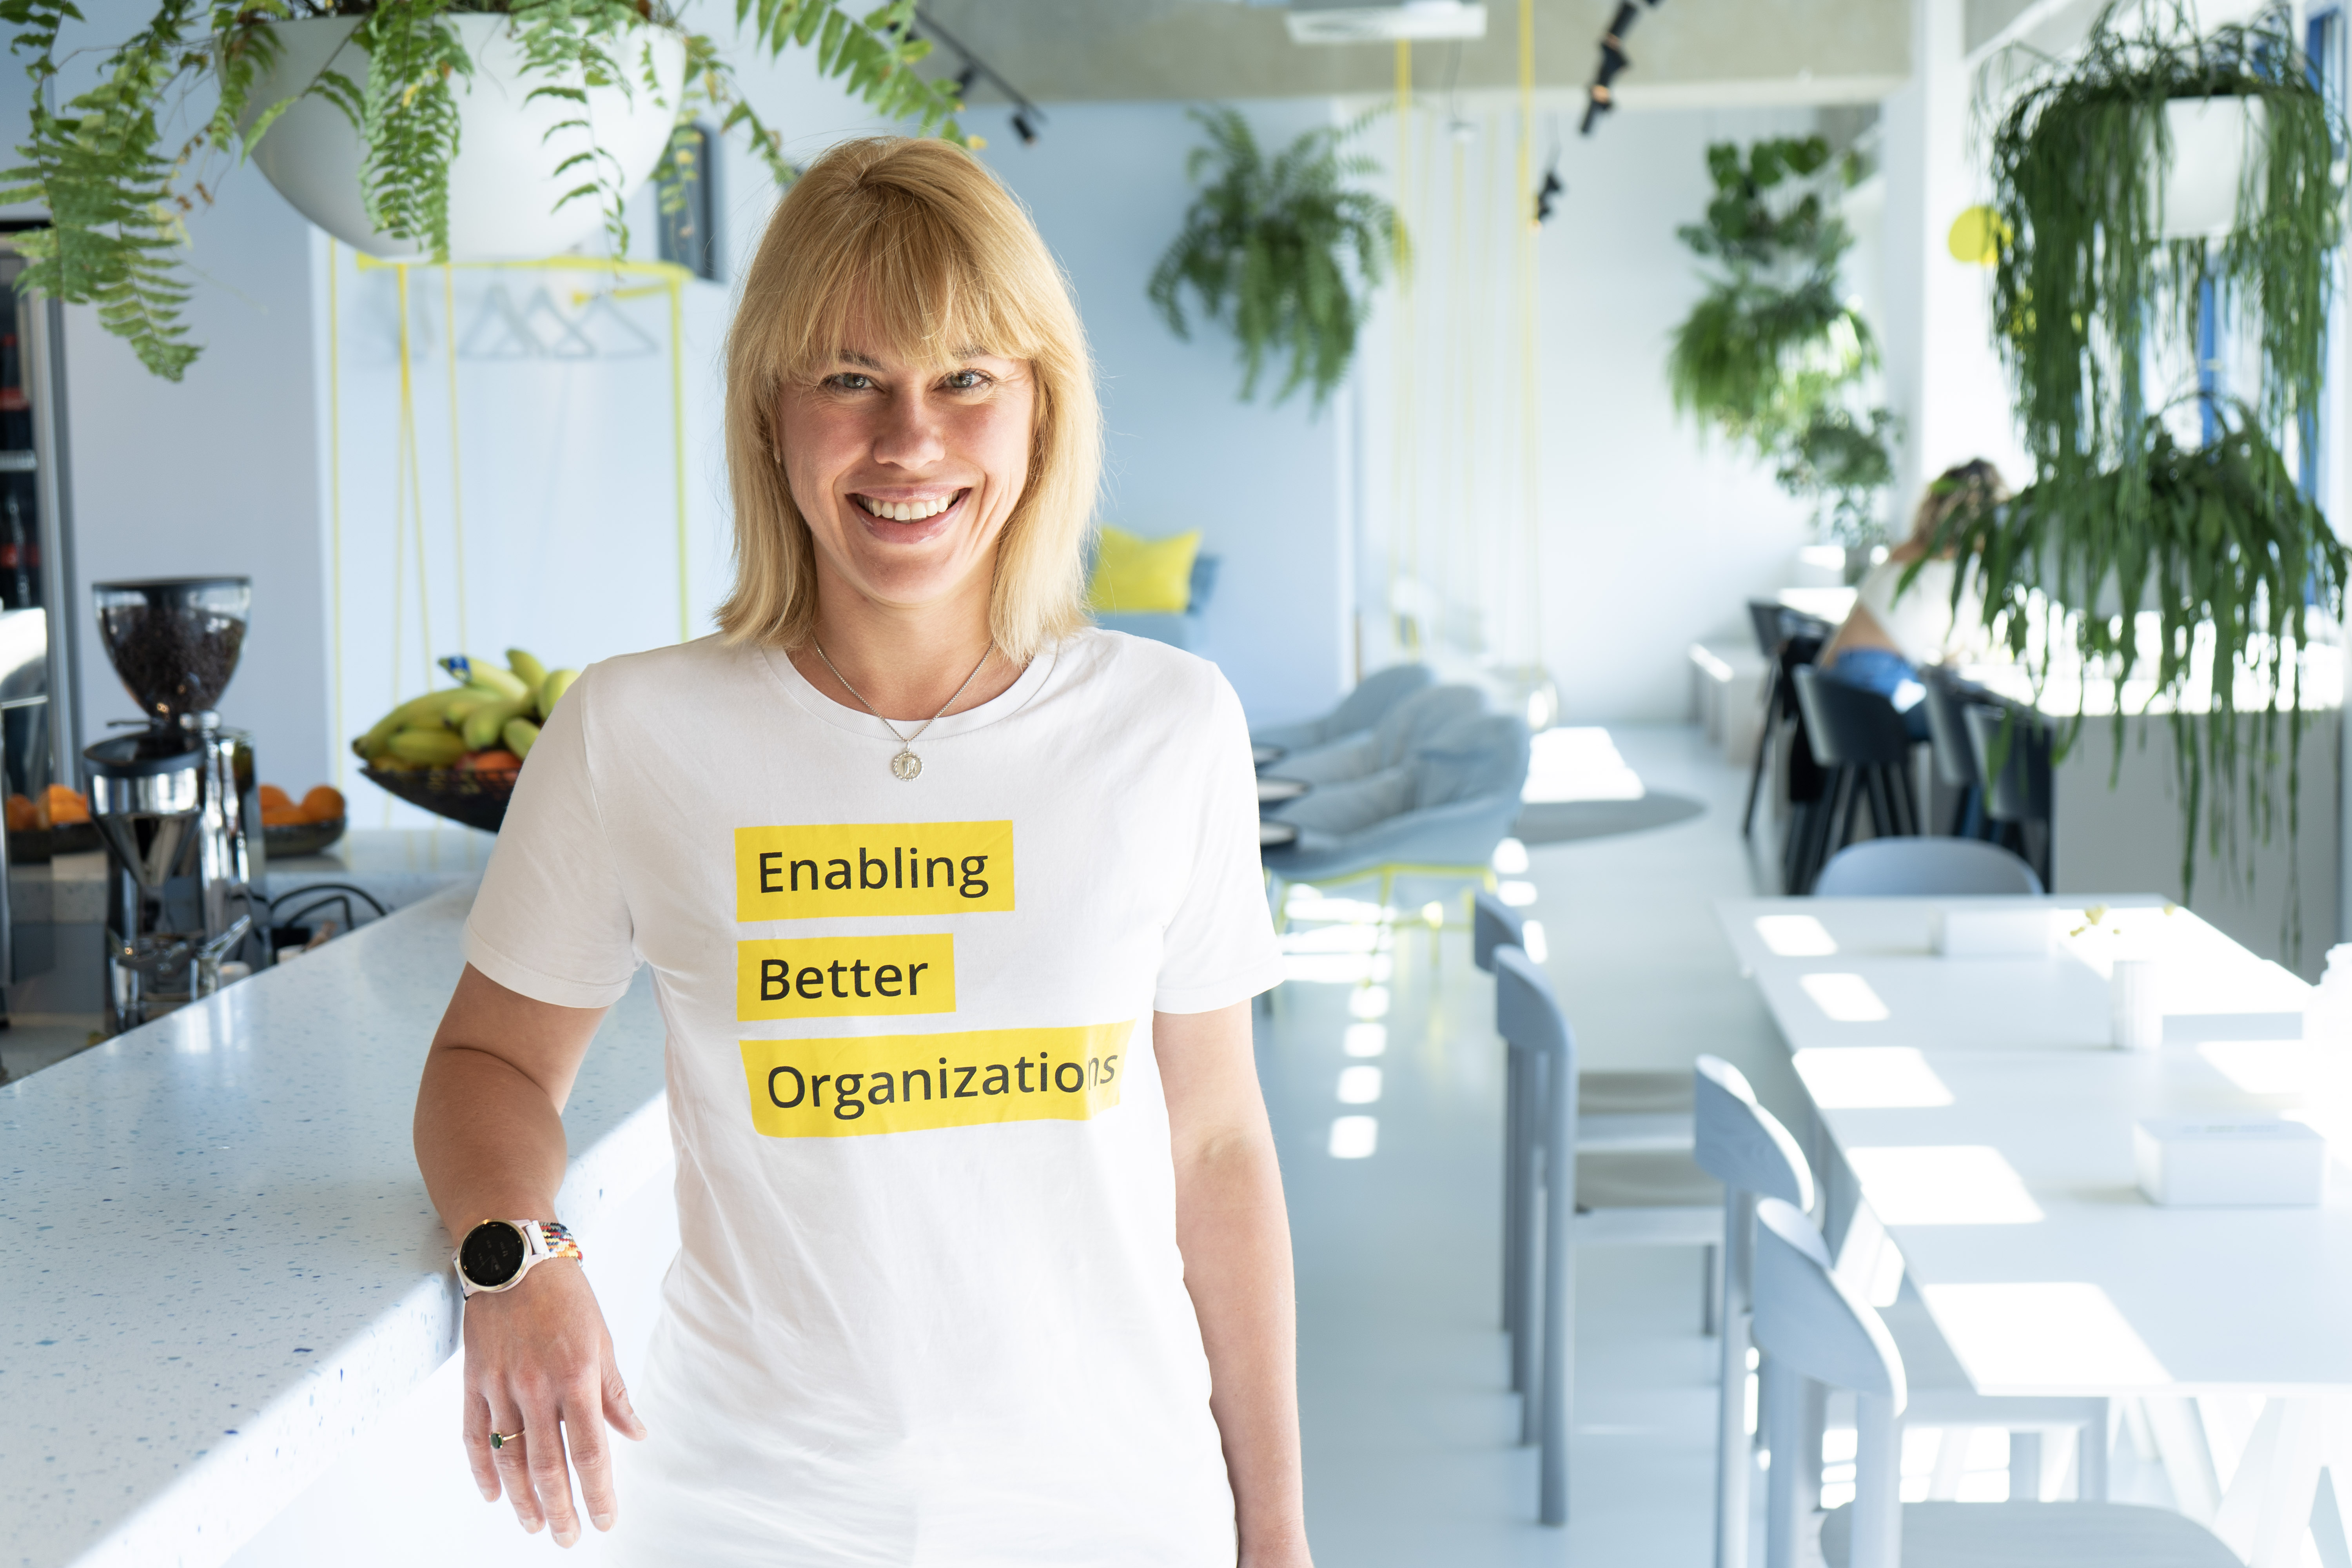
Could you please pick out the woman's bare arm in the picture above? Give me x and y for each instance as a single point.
(1235, 1234)
(489, 1139)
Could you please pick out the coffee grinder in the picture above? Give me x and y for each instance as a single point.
(175, 801)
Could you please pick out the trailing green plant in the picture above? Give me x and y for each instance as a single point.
(2217, 540)
(1841, 459)
(2220, 543)
(118, 191)
(1772, 356)
(1282, 252)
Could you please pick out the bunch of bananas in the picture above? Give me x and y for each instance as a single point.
(487, 725)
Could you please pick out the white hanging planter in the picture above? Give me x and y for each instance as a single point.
(2213, 139)
(503, 187)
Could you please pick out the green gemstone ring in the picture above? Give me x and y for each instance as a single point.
(500, 1440)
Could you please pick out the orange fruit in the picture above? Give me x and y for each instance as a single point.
(65, 805)
(324, 803)
(24, 816)
(287, 816)
(491, 763)
(272, 795)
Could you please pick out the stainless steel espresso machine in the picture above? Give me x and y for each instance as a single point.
(175, 801)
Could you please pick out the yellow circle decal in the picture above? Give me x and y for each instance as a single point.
(1976, 236)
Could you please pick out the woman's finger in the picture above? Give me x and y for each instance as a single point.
(549, 1477)
(591, 1450)
(617, 1408)
(478, 1445)
(511, 1454)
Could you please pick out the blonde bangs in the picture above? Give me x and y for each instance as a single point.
(935, 259)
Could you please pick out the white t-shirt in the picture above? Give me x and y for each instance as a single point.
(1919, 620)
(927, 1306)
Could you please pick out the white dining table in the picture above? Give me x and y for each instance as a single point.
(1976, 1107)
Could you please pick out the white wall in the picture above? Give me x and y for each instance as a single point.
(1943, 375)
(1652, 536)
(1106, 182)
(1649, 535)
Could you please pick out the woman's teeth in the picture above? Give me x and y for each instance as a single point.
(907, 510)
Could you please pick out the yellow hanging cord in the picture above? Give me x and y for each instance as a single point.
(677, 436)
(1455, 432)
(671, 276)
(335, 514)
(1529, 426)
(1404, 551)
(412, 479)
(457, 480)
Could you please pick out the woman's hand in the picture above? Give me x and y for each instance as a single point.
(539, 1361)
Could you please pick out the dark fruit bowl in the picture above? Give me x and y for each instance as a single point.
(476, 799)
(37, 846)
(292, 840)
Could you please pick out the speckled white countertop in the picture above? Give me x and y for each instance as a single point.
(216, 1260)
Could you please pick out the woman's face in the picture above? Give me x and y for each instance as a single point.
(908, 472)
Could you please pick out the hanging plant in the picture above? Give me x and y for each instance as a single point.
(399, 72)
(1772, 356)
(2092, 296)
(1281, 253)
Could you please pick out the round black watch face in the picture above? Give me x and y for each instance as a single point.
(492, 1254)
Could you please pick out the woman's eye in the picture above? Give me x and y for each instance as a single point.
(967, 380)
(849, 381)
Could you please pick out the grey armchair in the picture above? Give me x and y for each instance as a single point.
(1358, 711)
(1442, 814)
(1392, 744)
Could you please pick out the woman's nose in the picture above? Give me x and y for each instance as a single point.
(910, 435)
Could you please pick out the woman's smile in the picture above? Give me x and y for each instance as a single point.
(899, 504)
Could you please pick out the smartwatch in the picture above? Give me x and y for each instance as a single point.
(496, 1253)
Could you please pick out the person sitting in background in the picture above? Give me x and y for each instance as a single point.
(1893, 631)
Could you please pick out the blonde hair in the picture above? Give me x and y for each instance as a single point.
(935, 258)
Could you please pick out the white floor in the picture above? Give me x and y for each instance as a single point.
(1409, 1429)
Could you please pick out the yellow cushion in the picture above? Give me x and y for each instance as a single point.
(1136, 576)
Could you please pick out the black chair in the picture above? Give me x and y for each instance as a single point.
(1789, 640)
(1860, 738)
(1956, 757)
(2016, 793)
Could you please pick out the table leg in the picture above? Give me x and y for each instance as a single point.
(2188, 1460)
(2267, 1509)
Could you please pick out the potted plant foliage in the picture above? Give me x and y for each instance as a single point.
(426, 127)
(1281, 251)
(1772, 356)
(2165, 538)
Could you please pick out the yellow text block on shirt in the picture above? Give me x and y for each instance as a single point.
(835, 870)
(845, 976)
(844, 1088)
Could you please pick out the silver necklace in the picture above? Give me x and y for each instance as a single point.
(906, 766)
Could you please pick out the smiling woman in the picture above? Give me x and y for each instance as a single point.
(928, 1168)
(909, 308)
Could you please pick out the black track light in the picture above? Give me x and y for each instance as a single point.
(1548, 196)
(1023, 128)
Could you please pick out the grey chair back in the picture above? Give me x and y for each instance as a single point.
(1810, 1325)
(1948, 732)
(1847, 725)
(1925, 868)
(2019, 790)
(1374, 696)
(1740, 1143)
(1472, 758)
(1493, 924)
(1529, 1015)
(1409, 725)
(1744, 1146)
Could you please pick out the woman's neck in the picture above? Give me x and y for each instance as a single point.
(903, 661)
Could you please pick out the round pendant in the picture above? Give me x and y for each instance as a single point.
(905, 764)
